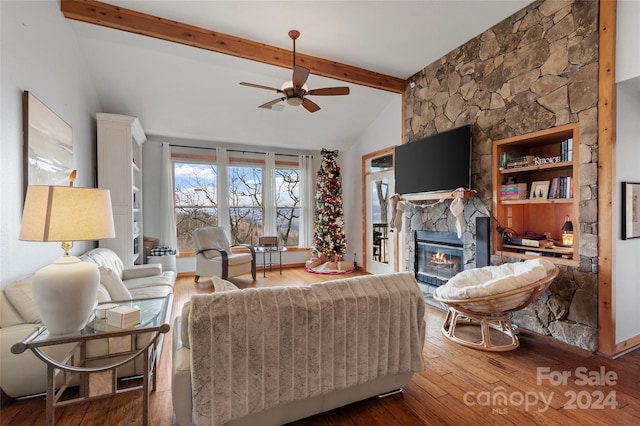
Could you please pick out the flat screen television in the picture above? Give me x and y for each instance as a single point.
(436, 163)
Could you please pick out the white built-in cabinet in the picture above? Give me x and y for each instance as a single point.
(120, 140)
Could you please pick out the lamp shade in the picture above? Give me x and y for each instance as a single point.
(65, 291)
(567, 226)
(65, 213)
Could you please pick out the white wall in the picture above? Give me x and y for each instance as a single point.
(628, 47)
(39, 54)
(626, 268)
(384, 132)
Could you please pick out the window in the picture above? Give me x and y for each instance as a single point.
(288, 205)
(196, 199)
(245, 204)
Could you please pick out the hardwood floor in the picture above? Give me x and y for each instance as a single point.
(458, 385)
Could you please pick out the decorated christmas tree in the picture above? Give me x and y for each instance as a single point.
(328, 234)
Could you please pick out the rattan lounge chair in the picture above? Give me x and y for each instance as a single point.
(488, 312)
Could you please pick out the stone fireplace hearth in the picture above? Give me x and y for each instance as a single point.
(439, 256)
(568, 311)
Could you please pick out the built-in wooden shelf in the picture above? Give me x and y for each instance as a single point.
(518, 252)
(545, 201)
(538, 216)
(560, 165)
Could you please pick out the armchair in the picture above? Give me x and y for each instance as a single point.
(215, 255)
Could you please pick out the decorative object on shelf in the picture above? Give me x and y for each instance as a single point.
(65, 291)
(513, 191)
(48, 144)
(539, 190)
(567, 232)
(630, 210)
(539, 161)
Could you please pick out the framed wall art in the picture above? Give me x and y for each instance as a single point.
(539, 190)
(630, 223)
(47, 147)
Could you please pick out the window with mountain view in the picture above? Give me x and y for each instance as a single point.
(196, 201)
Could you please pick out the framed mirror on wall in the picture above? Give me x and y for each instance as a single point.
(47, 147)
(630, 200)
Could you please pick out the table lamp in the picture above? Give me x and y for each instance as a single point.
(567, 232)
(65, 291)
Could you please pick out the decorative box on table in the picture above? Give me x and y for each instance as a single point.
(123, 316)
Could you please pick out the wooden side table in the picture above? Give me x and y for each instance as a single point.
(98, 373)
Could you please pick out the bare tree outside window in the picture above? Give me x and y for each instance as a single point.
(288, 205)
(245, 204)
(196, 202)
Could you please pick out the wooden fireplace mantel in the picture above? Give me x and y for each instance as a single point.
(447, 195)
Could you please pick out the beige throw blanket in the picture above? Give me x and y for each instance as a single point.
(257, 348)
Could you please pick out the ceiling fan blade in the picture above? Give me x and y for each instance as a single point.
(259, 86)
(310, 105)
(300, 75)
(271, 103)
(329, 91)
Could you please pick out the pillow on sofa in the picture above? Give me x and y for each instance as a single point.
(222, 285)
(9, 316)
(21, 297)
(103, 294)
(114, 285)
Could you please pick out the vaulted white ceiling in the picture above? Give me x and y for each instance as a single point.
(186, 92)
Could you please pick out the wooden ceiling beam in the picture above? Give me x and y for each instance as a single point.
(106, 15)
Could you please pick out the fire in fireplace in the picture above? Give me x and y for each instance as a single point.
(439, 256)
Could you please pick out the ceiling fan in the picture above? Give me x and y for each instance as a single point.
(295, 92)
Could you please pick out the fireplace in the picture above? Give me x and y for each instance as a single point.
(439, 256)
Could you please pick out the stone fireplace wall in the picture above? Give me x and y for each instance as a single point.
(535, 70)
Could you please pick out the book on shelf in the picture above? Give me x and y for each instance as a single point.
(566, 150)
(513, 191)
(561, 187)
(508, 161)
(523, 161)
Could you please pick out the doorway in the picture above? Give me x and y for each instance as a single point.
(380, 241)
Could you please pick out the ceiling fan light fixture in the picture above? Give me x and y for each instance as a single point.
(294, 101)
(289, 85)
(294, 91)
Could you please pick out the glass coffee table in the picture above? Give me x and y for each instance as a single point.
(97, 372)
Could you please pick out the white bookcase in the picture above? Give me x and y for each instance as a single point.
(120, 140)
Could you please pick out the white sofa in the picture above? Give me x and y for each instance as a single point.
(273, 355)
(24, 374)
